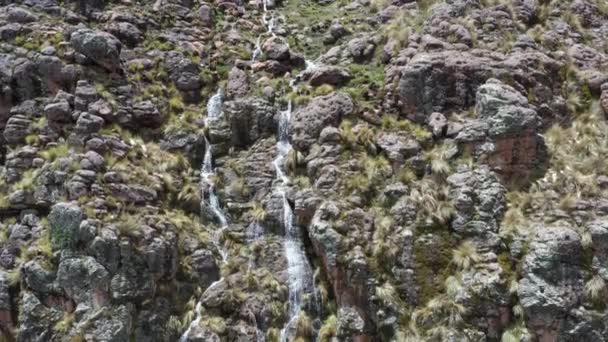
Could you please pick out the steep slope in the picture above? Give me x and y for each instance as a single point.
(304, 170)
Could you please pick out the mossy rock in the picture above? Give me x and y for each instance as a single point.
(64, 223)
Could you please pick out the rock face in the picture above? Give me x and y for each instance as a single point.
(250, 120)
(358, 171)
(480, 203)
(350, 280)
(505, 135)
(553, 265)
(64, 222)
(101, 47)
(322, 111)
(448, 80)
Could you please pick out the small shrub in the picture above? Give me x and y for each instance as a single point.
(465, 255)
(55, 152)
(329, 329)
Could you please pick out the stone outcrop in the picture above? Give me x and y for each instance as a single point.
(309, 121)
(505, 133)
(101, 47)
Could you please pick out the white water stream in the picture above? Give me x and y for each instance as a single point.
(214, 112)
(300, 275)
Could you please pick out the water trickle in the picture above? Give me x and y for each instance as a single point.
(214, 112)
(195, 322)
(299, 272)
(258, 49)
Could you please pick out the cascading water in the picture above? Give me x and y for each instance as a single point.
(214, 112)
(300, 277)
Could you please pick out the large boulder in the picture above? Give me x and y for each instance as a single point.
(115, 325)
(84, 280)
(17, 128)
(505, 133)
(100, 47)
(238, 84)
(126, 32)
(276, 48)
(445, 81)
(323, 111)
(435, 82)
(398, 146)
(6, 316)
(36, 320)
(64, 225)
(183, 71)
(480, 202)
(250, 119)
(332, 75)
(552, 283)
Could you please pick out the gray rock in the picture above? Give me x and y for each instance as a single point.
(552, 283)
(93, 161)
(38, 279)
(337, 31)
(20, 15)
(6, 319)
(35, 319)
(205, 15)
(398, 146)
(250, 119)
(276, 48)
(58, 111)
(526, 10)
(332, 75)
(182, 71)
(604, 98)
(17, 128)
(85, 94)
(323, 111)
(202, 334)
(115, 325)
(151, 320)
(101, 108)
(238, 84)
(161, 258)
(64, 224)
(133, 281)
(349, 324)
(126, 32)
(480, 203)
(505, 133)
(133, 193)
(438, 124)
(84, 280)
(206, 271)
(106, 250)
(361, 48)
(101, 47)
(146, 114)
(190, 144)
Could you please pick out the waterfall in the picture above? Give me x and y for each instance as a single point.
(298, 269)
(214, 112)
(300, 277)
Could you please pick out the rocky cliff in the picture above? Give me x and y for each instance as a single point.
(304, 170)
